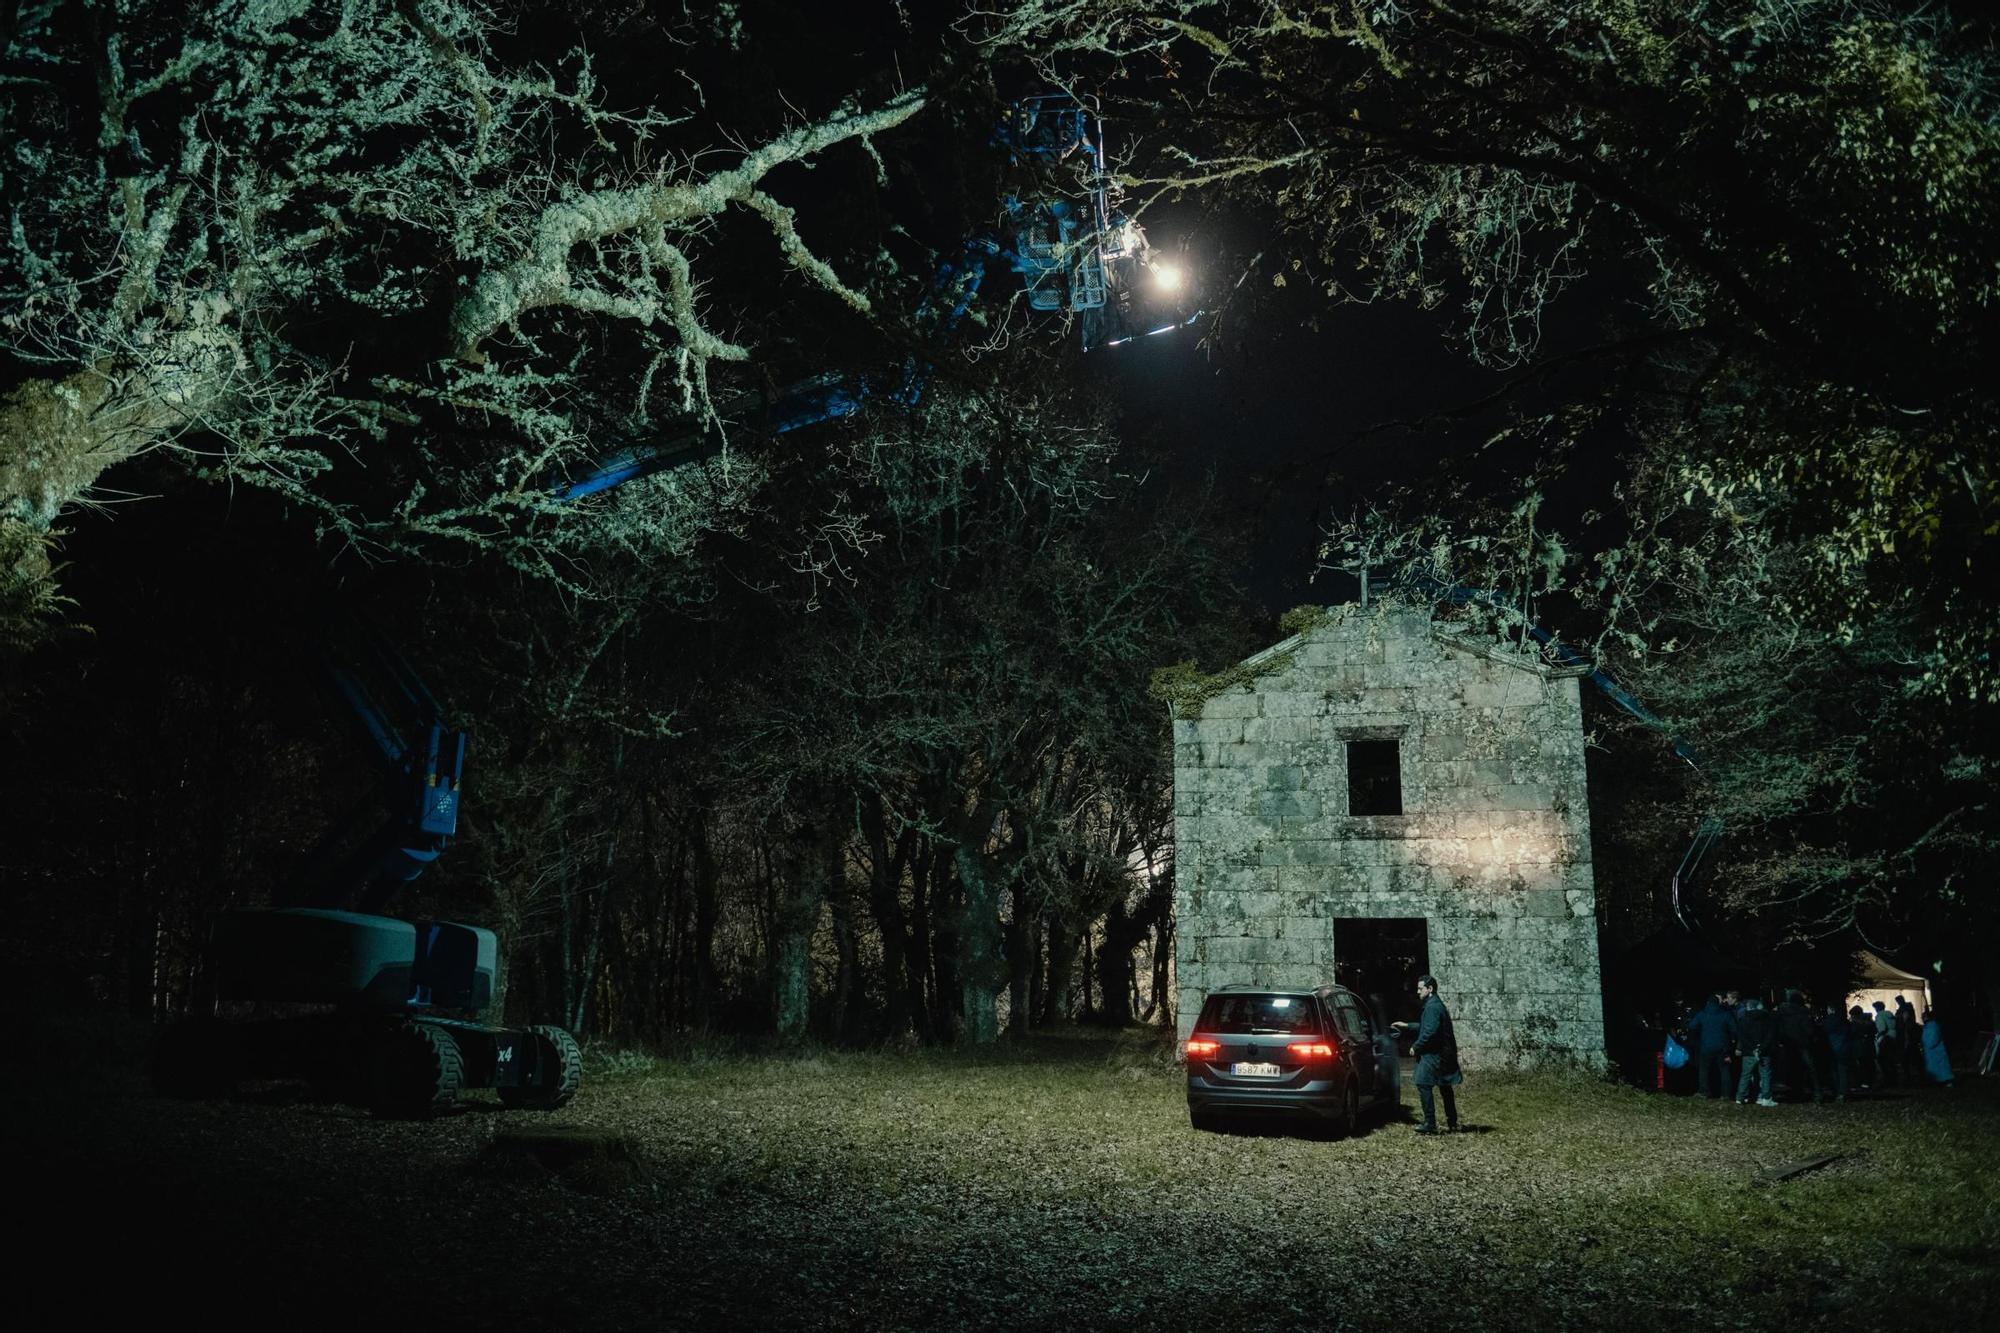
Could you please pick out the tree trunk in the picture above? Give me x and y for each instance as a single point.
(885, 904)
(1089, 1010)
(1114, 963)
(981, 962)
(842, 908)
(664, 882)
(707, 877)
(598, 904)
(1059, 998)
(1021, 938)
(919, 962)
(590, 967)
(946, 922)
(802, 863)
(507, 926)
(1038, 983)
(1160, 1008)
(791, 979)
(566, 938)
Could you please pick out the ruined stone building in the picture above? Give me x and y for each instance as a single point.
(1384, 795)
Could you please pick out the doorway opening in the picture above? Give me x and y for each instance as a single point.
(1380, 958)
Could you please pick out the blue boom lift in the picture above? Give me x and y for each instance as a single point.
(368, 1008)
(384, 1012)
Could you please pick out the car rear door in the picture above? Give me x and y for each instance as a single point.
(1255, 1034)
(1359, 1039)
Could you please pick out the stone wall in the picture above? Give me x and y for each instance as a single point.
(1493, 847)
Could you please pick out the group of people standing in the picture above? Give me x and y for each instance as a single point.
(1738, 1046)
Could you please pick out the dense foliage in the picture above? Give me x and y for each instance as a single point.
(938, 797)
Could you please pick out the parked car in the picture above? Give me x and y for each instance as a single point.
(1265, 1051)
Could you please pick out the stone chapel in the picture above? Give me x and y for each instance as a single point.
(1386, 794)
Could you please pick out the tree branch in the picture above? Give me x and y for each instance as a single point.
(541, 277)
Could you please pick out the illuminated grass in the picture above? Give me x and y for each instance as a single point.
(1066, 1178)
(1059, 1186)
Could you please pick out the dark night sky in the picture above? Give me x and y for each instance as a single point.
(1281, 414)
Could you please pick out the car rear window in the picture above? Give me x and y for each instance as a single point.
(1259, 1013)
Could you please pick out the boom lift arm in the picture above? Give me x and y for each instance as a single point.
(421, 783)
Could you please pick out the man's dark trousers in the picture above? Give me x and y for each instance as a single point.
(1430, 1114)
(1712, 1076)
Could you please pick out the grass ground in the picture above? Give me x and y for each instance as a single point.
(1052, 1186)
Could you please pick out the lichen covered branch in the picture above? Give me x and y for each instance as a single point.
(542, 276)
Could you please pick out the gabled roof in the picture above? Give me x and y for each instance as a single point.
(1476, 645)
(1872, 969)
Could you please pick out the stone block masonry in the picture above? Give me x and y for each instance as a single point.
(1491, 846)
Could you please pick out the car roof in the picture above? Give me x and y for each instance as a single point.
(1242, 988)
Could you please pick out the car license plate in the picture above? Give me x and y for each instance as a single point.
(1254, 1070)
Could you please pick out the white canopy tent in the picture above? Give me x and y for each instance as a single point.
(1877, 979)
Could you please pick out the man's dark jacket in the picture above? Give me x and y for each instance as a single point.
(1909, 1032)
(1436, 1046)
(1795, 1025)
(1713, 1028)
(1756, 1031)
(1861, 1036)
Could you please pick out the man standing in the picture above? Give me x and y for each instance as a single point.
(1888, 1055)
(1834, 1034)
(1909, 1038)
(1758, 1033)
(1936, 1063)
(1861, 1045)
(1795, 1039)
(1732, 1004)
(1713, 1032)
(1436, 1049)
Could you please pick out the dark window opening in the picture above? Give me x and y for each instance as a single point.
(1374, 778)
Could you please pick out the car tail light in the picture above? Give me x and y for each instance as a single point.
(1203, 1048)
(1312, 1050)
